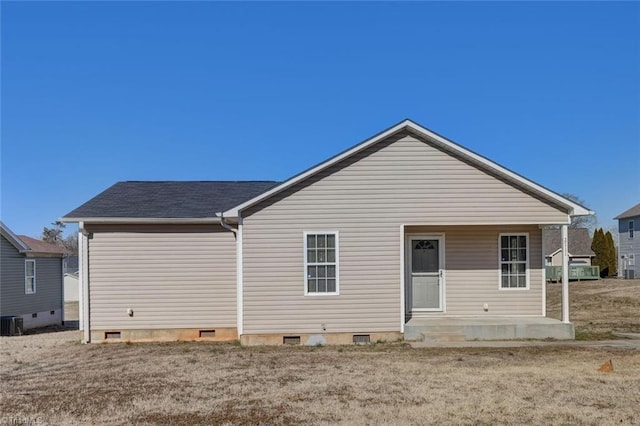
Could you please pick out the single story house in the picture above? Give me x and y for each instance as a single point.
(580, 252)
(406, 234)
(31, 280)
(629, 250)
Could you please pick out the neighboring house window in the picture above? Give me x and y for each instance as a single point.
(630, 229)
(321, 262)
(29, 276)
(514, 261)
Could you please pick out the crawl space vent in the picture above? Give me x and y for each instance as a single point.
(361, 338)
(112, 335)
(207, 333)
(291, 340)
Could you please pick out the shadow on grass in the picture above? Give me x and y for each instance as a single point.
(68, 325)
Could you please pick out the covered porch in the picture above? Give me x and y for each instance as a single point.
(477, 282)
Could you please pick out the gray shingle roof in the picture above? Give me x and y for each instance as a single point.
(169, 199)
(579, 241)
(633, 211)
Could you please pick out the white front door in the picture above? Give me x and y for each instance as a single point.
(425, 273)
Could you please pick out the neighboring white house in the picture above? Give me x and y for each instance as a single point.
(71, 292)
(403, 231)
(629, 250)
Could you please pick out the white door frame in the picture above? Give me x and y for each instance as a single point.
(407, 269)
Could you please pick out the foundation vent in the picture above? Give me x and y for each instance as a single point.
(361, 338)
(291, 340)
(111, 335)
(207, 333)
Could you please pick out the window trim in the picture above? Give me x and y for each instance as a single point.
(631, 228)
(26, 286)
(500, 262)
(306, 263)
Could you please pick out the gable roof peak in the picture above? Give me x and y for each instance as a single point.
(572, 208)
(15, 241)
(633, 211)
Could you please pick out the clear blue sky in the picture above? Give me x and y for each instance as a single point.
(94, 93)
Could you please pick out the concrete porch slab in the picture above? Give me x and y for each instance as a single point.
(486, 328)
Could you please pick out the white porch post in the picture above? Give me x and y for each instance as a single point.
(83, 264)
(80, 281)
(565, 274)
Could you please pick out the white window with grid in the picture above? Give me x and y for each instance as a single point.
(321, 263)
(514, 261)
(29, 276)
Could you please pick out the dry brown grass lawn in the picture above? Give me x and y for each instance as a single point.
(598, 308)
(52, 378)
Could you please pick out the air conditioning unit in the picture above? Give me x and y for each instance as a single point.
(11, 326)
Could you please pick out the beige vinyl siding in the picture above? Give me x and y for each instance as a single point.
(171, 276)
(366, 198)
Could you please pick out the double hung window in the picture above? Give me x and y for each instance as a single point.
(514, 261)
(321, 263)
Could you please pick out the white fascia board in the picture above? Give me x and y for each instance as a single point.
(13, 238)
(574, 208)
(137, 220)
(33, 254)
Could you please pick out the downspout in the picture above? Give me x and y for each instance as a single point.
(544, 272)
(62, 290)
(83, 243)
(239, 271)
(225, 225)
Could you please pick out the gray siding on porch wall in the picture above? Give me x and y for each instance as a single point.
(171, 276)
(366, 198)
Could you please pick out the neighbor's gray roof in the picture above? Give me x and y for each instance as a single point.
(579, 241)
(633, 211)
(169, 199)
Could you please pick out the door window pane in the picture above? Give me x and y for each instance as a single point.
(424, 256)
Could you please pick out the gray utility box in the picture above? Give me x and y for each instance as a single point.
(11, 326)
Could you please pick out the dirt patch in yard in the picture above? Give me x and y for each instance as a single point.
(599, 308)
(50, 378)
